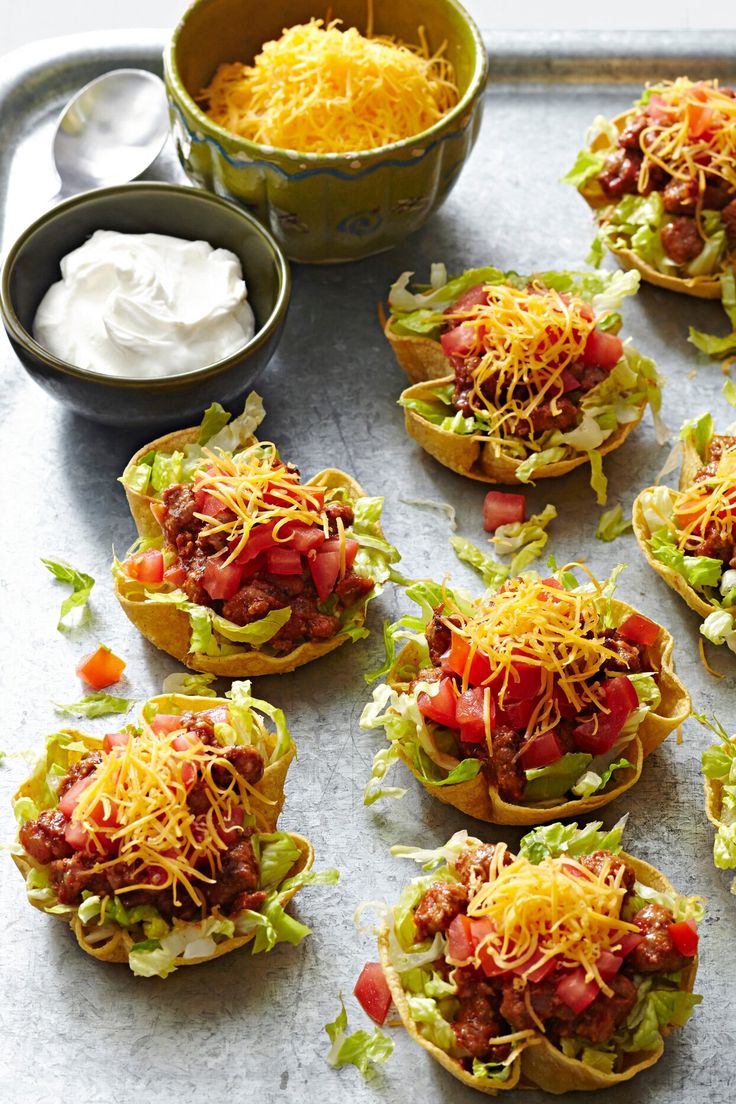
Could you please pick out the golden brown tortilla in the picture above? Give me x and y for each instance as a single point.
(480, 798)
(475, 457)
(169, 629)
(541, 1065)
(701, 287)
(420, 357)
(271, 788)
(691, 463)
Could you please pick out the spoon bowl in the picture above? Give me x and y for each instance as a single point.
(111, 131)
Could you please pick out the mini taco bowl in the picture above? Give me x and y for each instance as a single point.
(691, 462)
(421, 358)
(475, 457)
(700, 287)
(541, 1065)
(116, 946)
(478, 797)
(168, 628)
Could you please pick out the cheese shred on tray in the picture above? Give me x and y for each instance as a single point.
(319, 89)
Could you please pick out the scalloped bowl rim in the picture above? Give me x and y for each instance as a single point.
(18, 331)
(175, 85)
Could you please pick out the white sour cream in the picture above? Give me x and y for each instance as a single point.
(145, 305)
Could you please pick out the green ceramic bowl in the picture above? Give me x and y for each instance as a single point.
(32, 265)
(324, 207)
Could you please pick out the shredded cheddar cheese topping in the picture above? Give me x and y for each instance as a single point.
(136, 803)
(529, 622)
(525, 340)
(318, 89)
(257, 489)
(709, 504)
(692, 132)
(557, 909)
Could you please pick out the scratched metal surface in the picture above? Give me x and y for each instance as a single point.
(74, 1030)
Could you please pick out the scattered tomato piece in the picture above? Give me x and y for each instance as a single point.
(373, 993)
(101, 668)
(502, 508)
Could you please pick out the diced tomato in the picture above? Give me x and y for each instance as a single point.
(599, 734)
(479, 929)
(157, 875)
(576, 992)
(101, 668)
(476, 296)
(233, 824)
(656, 108)
(77, 836)
(283, 561)
(372, 991)
(536, 973)
(502, 508)
(480, 667)
(351, 549)
(104, 813)
(259, 539)
(442, 706)
(542, 751)
(515, 714)
(220, 579)
(608, 965)
(627, 942)
(209, 504)
(183, 742)
(460, 942)
(564, 707)
(685, 937)
(324, 568)
(569, 381)
(167, 722)
(188, 769)
(470, 715)
(176, 574)
(115, 739)
(699, 119)
(602, 350)
(304, 538)
(639, 629)
(525, 681)
(68, 801)
(146, 567)
(459, 341)
(252, 567)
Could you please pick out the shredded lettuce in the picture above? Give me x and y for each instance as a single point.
(359, 1049)
(567, 839)
(245, 710)
(430, 859)
(94, 705)
(612, 524)
(591, 782)
(587, 166)
(547, 783)
(190, 684)
(491, 571)
(658, 508)
(524, 540)
(698, 571)
(718, 627)
(74, 609)
(527, 468)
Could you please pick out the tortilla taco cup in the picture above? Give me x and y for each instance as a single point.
(656, 210)
(516, 378)
(241, 569)
(474, 707)
(213, 775)
(497, 1000)
(688, 536)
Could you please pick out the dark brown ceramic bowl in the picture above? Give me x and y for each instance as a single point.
(32, 265)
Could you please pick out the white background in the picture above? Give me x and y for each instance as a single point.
(23, 21)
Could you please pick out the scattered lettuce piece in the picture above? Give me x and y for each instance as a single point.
(612, 524)
(190, 684)
(74, 610)
(358, 1049)
(491, 571)
(95, 705)
(598, 481)
(525, 540)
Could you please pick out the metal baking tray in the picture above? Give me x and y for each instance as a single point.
(75, 1030)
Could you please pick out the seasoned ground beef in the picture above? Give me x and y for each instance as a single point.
(620, 173)
(246, 761)
(629, 657)
(598, 859)
(43, 838)
(439, 638)
(477, 1019)
(439, 906)
(81, 769)
(239, 874)
(681, 240)
(474, 865)
(507, 769)
(597, 1022)
(656, 953)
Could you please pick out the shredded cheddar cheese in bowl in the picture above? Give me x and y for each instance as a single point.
(320, 89)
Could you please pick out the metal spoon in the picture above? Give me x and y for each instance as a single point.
(111, 131)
